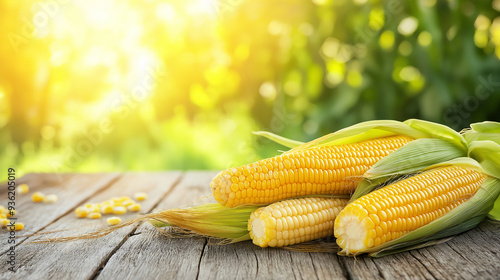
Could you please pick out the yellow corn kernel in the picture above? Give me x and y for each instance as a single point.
(123, 198)
(5, 222)
(404, 206)
(113, 221)
(23, 189)
(3, 216)
(136, 207)
(90, 205)
(127, 202)
(16, 227)
(140, 196)
(51, 198)
(3, 209)
(294, 221)
(38, 197)
(108, 202)
(94, 215)
(107, 209)
(332, 170)
(118, 210)
(82, 212)
(11, 213)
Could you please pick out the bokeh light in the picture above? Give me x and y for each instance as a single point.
(156, 85)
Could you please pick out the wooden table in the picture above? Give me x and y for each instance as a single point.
(140, 252)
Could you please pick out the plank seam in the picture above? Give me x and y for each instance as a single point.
(418, 259)
(314, 267)
(343, 266)
(201, 257)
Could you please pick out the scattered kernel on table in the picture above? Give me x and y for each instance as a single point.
(128, 202)
(23, 189)
(51, 198)
(82, 212)
(113, 221)
(5, 222)
(11, 213)
(3, 216)
(94, 215)
(3, 209)
(107, 209)
(118, 210)
(16, 227)
(140, 196)
(38, 197)
(134, 207)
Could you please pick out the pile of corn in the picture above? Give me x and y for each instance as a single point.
(114, 205)
(379, 187)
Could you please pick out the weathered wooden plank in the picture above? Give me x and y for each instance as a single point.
(82, 259)
(71, 190)
(474, 254)
(246, 261)
(149, 255)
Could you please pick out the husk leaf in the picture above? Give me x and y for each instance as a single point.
(362, 132)
(289, 143)
(438, 131)
(483, 131)
(488, 154)
(211, 219)
(414, 156)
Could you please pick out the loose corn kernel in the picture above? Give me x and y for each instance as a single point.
(94, 215)
(118, 210)
(134, 207)
(82, 212)
(123, 198)
(3, 216)
(332, 170)
(5, 222)
(3, 209)
(140, 196)
(16, 227)
(51, 198)
(38, 197)
(107, 209)
(23, 189)
(404, 206)
(113, 221)
(11, 213)
(127, 202)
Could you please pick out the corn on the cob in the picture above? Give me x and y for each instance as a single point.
(320, 170)
(294, 221)
(404, 206)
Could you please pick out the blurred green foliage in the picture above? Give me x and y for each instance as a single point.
(92, 86)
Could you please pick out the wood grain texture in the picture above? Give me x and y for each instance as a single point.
(72, 190)
(149, 255)
(82, 259)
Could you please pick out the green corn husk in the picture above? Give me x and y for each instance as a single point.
(211, 219)
(484, 157)
(486, 131)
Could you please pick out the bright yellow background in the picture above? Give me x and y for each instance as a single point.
(154, 85)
